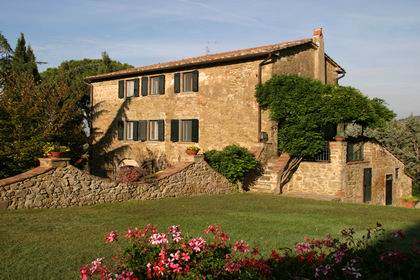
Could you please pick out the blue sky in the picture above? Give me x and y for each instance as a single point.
(377, 42)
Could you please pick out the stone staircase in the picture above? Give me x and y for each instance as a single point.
(267, 183)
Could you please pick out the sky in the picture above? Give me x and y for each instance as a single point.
(376, 42)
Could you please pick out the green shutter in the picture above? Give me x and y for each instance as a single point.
(162, 84)
(195, 80)
(195, 130)
(136, 87)
(136, 131)
(174, 130)
(161, 130)
(177, 82)
(120, 130)
(121, 89)
(142, 130)
(144, 86)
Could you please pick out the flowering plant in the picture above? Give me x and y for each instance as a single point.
(193, 148)
(151, 254)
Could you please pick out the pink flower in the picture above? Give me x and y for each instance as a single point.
(175, 267)
(96, 265)
(176, 233)
(84, 273)
(111, 237)
(158, 239)
(197, 244)
(185, 257)
(126, 275)
(303, 248)
(241, 247)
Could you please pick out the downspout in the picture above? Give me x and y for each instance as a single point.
(342, 76)
(260, 65)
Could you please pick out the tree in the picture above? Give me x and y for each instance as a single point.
(304, 110)
(402, 138)
(51, 107)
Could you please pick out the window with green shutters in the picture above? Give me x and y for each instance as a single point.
(128, 88)
(185, 130)
(186, 82)
(157, 85)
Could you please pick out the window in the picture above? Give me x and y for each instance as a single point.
(153, 130)
(130, 88)
(354, 151)
(186, 130)
(129, 135)
(154, 85)
(186, 82)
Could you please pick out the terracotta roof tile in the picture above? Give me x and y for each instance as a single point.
(212, 58)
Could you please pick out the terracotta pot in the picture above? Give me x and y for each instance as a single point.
(339, 138)
(408, 203)
(191, 152)
(56, 154)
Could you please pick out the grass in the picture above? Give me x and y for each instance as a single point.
(54, 243)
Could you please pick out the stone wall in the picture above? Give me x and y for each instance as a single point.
(320, 178)
(65, 186)
(382, 163)
(338, 178)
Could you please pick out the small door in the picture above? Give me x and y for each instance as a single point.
(367, 185)
(388, 190)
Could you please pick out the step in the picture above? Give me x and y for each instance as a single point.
(260, 190)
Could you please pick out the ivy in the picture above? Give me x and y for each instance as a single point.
(305, 108)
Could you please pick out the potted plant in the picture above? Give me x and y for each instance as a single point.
(409, 201)
(55, 151)
(192, 150)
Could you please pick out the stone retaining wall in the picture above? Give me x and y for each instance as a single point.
(66, 186)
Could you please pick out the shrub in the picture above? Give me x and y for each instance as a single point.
(234, 162)
(151, 254)
(128, 174)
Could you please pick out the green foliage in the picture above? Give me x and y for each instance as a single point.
(402, 138)
(34, 109)
(304, 108)
(234, 162)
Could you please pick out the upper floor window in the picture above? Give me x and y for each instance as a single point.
(186, 82)
(354, 151)
(153, 130)
(128, 88)
(157, 85)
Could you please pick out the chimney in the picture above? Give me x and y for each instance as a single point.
(319, 57)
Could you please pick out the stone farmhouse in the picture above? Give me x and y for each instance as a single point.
(149, 115)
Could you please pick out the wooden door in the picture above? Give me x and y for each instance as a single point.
(388, 190)
(367, 185)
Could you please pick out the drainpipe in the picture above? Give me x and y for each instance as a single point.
(342, 76)
(260, 65)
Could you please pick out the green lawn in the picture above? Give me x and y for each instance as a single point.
(54, 243)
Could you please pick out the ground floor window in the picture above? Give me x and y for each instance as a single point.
(154, 130)
(185, 130)
(129, 131)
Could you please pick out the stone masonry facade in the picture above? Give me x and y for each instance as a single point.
(224, 104)
(64, 186)
(344, 180)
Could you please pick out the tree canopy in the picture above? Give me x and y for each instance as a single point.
(306, 108)
(37, 108)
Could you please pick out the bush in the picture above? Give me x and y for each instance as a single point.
(234, 162)
(128, 174)
(157, 255)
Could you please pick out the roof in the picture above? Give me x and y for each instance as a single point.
(248, 53)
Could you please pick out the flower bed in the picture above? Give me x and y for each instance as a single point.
(151, 254)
